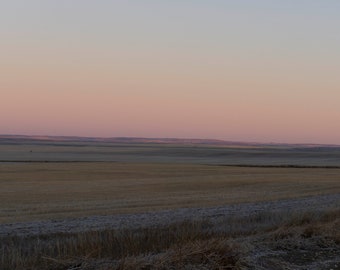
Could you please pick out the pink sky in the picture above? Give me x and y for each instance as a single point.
(274, 79)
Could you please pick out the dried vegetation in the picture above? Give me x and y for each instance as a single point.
(309, 240)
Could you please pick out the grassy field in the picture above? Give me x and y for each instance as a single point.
(40, 191)
(263, 241)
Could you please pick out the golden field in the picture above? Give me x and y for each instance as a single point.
(56, 190)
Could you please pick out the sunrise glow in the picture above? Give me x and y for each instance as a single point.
(265, 71)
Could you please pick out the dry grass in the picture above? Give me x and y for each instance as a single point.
(214, 253)
(308, 242)
(310, 239)
(61, 190)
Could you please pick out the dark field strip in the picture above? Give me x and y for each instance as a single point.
(223, 165)
(280, 166)
(55, 161)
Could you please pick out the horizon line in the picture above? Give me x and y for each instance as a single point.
(36, 136)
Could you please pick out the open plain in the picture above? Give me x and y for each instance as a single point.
(40, 191)
(104, 205)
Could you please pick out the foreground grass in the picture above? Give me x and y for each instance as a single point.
(265, 240)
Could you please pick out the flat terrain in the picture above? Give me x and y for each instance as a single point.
(40, 191)
(116, 205)
(40, 150)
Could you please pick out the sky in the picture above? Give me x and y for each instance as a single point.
(260, 71)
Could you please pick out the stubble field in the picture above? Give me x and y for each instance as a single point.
(89, 205)
(38, 191)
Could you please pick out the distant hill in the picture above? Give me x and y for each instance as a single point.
(140, 140)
